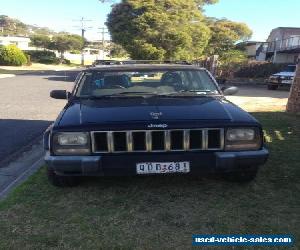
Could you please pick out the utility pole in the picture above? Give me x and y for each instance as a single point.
(83, 29)
(103, 32)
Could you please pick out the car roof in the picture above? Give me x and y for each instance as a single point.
(143, 67)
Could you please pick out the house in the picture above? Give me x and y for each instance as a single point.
(252, 49)
(283, 45)
(21, 42)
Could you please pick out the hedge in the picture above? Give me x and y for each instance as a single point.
(43, 56)
(259, 70)
(10, 55)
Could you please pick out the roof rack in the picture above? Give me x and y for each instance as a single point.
(107, 62)
(155, 62)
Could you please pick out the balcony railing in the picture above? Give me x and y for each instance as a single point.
(284, 45)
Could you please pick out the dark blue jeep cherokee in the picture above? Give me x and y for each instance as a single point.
(144, 119)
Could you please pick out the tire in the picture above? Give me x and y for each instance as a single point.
(62, 181)
(272, 87)
(240, 176)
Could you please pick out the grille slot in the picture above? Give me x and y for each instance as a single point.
(157, 141)
(119, 141)
(139, 141)
(177, 140)
(213, 141)
(101, 142)
(196, 138)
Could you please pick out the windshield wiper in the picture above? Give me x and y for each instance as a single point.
(121, 94)
(136, 92)
(185, 93)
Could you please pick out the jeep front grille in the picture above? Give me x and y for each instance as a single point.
(157, 140)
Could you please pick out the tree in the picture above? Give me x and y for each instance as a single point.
(225, 34)
(201, 3)
(173, 29)
(293, 105)
(64, 42)
(116, 50)
(198, 2)
(40, 41)
(230, 61)
(42, 31)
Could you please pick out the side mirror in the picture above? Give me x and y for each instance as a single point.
(230, 90)
(60, 94)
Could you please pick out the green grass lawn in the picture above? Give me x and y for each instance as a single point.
(160, 212)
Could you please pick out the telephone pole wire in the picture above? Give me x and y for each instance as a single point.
(103, 32)
(83, 29)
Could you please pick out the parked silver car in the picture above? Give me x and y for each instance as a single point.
(284, 78)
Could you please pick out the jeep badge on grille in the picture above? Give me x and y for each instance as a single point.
(157, 125)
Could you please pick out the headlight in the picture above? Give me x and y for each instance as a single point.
(72, 139)
(71, 143)
(286, 78)
(243, 139)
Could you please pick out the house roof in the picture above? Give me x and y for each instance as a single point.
(283, 30)
(287, 28)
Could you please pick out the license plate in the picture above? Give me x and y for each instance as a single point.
(162, 167)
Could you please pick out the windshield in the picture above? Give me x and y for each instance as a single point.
(291, 68)
(156, 82)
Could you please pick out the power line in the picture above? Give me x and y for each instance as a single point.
(104, 31)
(83, 29)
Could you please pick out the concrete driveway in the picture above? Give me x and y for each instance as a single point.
(259, 99)
(26, 109)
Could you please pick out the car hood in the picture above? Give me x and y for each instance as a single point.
(109, 112)
(285, 73)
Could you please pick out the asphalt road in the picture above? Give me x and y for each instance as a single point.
(26, 109)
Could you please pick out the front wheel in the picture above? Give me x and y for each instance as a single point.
(240, 176)
(61, 181)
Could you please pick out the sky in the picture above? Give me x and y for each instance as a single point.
(61, 15)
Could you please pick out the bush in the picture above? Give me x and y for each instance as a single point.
(259, 69)
(12, 56)
(42, 56)
(49, 60)
(75, 51)
(230, 62)
(66, 61)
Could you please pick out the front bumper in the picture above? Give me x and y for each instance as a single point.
(280, 82)
(125, 164)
